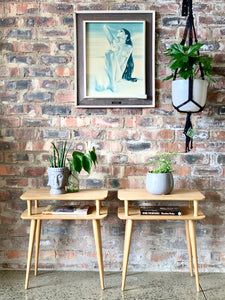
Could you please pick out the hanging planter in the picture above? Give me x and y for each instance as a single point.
(188, 94)
(180, 89)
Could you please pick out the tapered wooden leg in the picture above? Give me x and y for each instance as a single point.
(194, 251)
(30, 250)
(98, 244)
(189, 246)
(127, 240)
(37, 246)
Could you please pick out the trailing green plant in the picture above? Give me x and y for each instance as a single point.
(162, 163)
(186, 61)
(58, 159)
(83, 160)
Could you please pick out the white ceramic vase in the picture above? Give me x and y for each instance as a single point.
(159, 183)
(180, 94)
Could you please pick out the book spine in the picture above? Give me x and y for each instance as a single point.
(150, 213)
(46, 213)
(161, 213)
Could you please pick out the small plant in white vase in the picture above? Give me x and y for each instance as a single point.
(159, 180)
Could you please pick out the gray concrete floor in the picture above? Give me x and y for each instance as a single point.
(58, 285)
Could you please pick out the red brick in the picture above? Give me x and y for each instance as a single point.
(136, 170)
(4, 195)
(9, 170)
(107, 122)
(157, 134)
(21, 9)
(16, 254)
(167, 8)
(75, 122)
(118, 134)
(57, 8)
(17, 182)
(66, 97)
(24, 134)
(182, 170)
(65, 72)
(218, 135)
(47, 255)
(34, 47)
(34, 171)
(67, 255)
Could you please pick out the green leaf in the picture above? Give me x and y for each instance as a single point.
(87, 163)
(194, 48)
(77, 163)
(168, 77)
(93, 156)
(57, 153)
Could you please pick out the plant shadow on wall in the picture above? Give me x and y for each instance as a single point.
(60, 176)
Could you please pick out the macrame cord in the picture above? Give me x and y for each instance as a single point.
(189, 28)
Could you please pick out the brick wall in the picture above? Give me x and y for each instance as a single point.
(37, 106)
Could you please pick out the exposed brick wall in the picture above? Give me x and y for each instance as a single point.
(37, 106)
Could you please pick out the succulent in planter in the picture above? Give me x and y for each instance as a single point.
(159, 180)
(78, 162)
(58, 172)
(58, 159)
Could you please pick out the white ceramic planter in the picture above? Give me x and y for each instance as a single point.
(57, 180)
(180, 94)
(159, 183)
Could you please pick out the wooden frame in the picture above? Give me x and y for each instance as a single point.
(106, 76)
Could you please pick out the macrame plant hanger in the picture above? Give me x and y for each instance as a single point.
(189, 29)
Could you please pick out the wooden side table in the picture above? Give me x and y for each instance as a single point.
(34, 214)
(190, 214)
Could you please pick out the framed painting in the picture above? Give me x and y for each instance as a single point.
(115, 59)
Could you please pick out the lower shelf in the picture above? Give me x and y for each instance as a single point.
(134, 214)
(37, 214)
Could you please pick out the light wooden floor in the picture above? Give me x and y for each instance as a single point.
(60, 285)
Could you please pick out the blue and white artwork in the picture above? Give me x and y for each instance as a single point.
(114, 59)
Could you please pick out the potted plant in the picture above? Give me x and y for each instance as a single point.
(58, 172)
(160, 179)
(188, 63)
(78, 162)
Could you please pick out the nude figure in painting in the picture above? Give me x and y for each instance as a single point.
(119, 63)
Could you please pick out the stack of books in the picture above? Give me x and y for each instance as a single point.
(161, 210)
(65, 210)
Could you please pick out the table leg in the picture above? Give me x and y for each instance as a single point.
(30, 250)
(98, 244)
(189, 246)
(194, 251)
(195, 208)
(127, 240)
(37, 246)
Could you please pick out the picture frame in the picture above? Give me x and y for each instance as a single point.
(115, 58)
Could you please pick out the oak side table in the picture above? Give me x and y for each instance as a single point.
(190, 214)
(34, 214)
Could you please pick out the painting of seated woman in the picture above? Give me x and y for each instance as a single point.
(115, 60)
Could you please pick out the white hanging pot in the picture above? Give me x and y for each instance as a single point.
(180, 94)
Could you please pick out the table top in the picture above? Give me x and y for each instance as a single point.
(82, 195)
(176, 195)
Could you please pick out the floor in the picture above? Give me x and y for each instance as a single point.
(60, 285)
